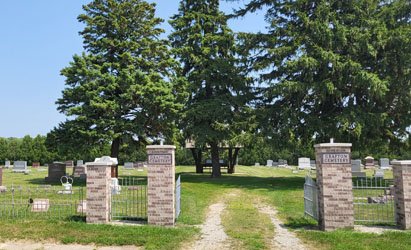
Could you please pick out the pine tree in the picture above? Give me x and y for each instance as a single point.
(336, 69)
(218, 89)
(123, 87)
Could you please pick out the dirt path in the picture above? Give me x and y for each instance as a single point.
(213, 236)
(51, 246)
(283, 239)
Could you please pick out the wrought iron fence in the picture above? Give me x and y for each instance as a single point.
(178, 197)
(43, 201)
(373, 200)
(310, 198)
(129, 199)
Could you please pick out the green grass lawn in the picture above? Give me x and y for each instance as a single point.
(256, 185)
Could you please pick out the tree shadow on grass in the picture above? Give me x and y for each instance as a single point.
(301, 223)
(41, 181)
(248, 182)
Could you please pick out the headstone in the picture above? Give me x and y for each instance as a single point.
(80, 163)
(356, 165)
(140, 166)
(385, 164)
(281, 162)
(115, 187)
(304, 163)
(128, 165)
(55, 171)
(69, 164)
(35, 164)
(78, 170)
(285, 162)
(82, 206)
(369, 162)
(269, 163)
(20, 167)
(379, 173)
(275, 164)
(356, 169)
(312, 163)
(7, 164)
(40, 205)
(257, 164)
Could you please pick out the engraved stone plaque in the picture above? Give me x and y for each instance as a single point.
(163, 159)
(336, 158)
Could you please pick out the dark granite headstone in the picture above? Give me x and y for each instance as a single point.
(56, 171)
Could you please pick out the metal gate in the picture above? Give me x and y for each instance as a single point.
(43, 201)
(310, 198)
(178, 197)
(129, 199)
(373, 200)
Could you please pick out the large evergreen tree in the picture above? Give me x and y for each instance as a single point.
(336, 69)
(123, 86)
(217, 87)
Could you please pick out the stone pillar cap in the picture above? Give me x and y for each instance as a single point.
(161, 147)
(332, 145)
(103, 161)
(406, 162)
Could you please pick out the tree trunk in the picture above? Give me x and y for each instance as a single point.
(197, 158)
(115, 148)
(215, 157)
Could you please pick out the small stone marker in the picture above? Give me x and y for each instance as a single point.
(304, 163)
(257, 164)
(128, 165)
(35, 164)
(69, 164)
(40, 205)
(385, 164)
(369, 162)
(269, 163)
(82, 206)
(20, 167)
(80, 163)
(379, 173)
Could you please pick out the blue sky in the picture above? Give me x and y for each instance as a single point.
(38, 39)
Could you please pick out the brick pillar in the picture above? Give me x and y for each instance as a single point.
(161, 185)
(334, 181)
(402, 197)
(98, 192)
